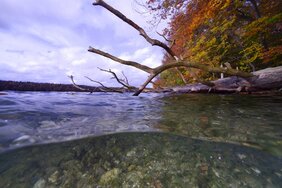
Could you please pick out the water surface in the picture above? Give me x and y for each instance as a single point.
(51, 139)
(42, 117)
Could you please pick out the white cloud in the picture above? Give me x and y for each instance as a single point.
(44, 41)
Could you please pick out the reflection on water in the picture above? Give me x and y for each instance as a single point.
(36, 117)
(139, 160)
(249, 120)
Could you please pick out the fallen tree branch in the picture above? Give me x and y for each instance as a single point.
(126, 80)
(153, 72)
(153, 42)
(77, 86)
(141, 31)
(185, 63)
(118, 79)
(180, 63)
(124, 62)
(263, 80)
(164, 37)
(143, 86)
(105, 87)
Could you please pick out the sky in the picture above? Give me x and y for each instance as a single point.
(46, 41)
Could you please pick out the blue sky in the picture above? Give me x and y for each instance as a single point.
(44, 41)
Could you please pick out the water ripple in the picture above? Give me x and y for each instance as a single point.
(42, 117)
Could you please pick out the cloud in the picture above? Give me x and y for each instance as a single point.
(44, 41)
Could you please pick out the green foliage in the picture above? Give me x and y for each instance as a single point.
(243, 33)
(170, 78)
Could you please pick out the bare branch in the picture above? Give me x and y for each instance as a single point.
(228, 71)
(206, 68)
(164, 37)
(171, 42)
(181, 75)
(76, 86)
(141, 31)
(178, 62)
(124, 62)
(105, 87)
(126, 80)
(142, 87)
(117, 79)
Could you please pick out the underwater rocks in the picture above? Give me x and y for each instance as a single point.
(139, 160)
(109, 176)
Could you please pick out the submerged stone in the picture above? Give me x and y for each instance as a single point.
(144, 160)
(40, 184)
(109, 176)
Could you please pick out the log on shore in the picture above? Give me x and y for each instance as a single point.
(269, 79)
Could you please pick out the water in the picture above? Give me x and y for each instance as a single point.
(169, 141)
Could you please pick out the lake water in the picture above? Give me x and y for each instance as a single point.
(50, 139)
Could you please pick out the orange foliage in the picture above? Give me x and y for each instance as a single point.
(243, 33)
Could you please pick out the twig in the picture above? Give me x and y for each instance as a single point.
(76, 86)
(126, 80)
(162, 35)
(108, 88)
(117, 79)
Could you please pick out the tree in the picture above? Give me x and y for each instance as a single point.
(242, 33)
(177, 61)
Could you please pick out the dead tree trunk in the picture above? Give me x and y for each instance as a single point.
(263, 80)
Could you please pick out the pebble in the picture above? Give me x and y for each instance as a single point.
(47, 124)
(241, 156)
(40, 183)
(22, 138)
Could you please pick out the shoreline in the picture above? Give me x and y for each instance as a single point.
(34, 86)
(188, 89)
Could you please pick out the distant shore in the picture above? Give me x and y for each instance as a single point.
(33, 86)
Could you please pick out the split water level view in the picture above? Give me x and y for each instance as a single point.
(51, 139)
(141, 94)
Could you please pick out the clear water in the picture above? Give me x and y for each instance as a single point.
(194, 140)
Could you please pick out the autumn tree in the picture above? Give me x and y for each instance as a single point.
(212, 37)
(177, 62)
(237, 33)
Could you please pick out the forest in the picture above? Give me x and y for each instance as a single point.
(242, 34)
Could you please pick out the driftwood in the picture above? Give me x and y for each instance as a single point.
(263, 80)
